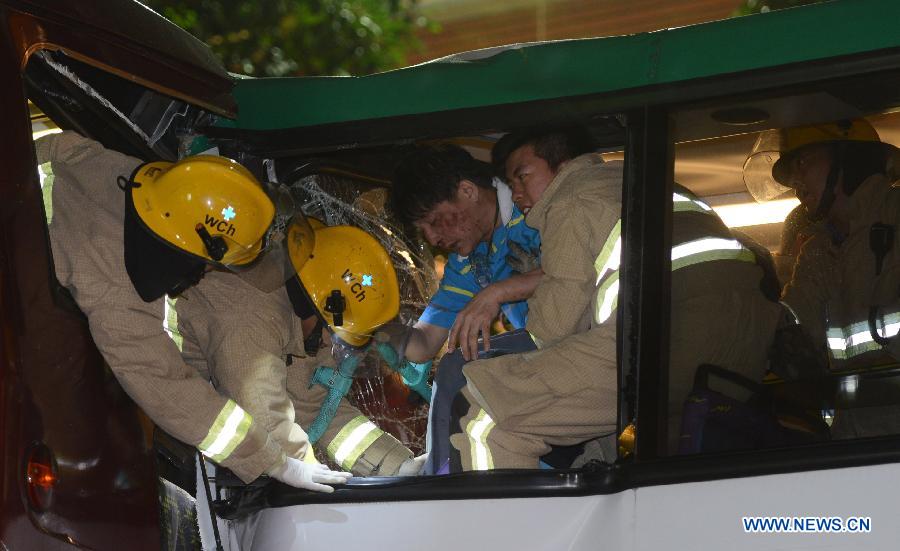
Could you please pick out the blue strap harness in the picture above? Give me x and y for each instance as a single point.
(338, 381)
(415, 375)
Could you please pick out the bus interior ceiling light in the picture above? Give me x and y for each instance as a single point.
(754, 214)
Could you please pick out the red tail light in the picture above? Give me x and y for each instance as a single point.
(40, 477)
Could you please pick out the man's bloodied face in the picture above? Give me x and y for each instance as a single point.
(460, 224)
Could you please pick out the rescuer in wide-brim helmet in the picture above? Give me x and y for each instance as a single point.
(817, 162)
(843, 286)
(182, 217)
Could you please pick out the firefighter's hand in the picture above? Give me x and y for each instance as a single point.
(315, 477)
(521, 260)
(475, 318)
(390, 342)
(794, 355)
(412, 466)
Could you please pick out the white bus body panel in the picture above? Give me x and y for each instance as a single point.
(708, 515)
(521, 524)
(692, 516)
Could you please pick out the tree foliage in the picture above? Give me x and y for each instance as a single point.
(761, 6)
(300, 37)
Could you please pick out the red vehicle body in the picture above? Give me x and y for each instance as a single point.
(76, 454)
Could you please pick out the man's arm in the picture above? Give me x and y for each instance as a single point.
(243, 346)
(476, 317)
(150, 368)
(561, 304)
(425, 341)
(429, 334)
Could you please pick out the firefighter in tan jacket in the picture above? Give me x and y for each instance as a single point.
(514, 407)
(178, 219)
(252, 344)
(845, 288)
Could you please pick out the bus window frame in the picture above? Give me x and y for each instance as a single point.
(643, 332)
(650, 467)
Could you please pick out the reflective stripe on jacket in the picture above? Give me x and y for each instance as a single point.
(856, 339)
(709, 248)
(352, 440)
(226, 433)
(834, 285)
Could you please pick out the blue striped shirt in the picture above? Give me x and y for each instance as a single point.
(463, 278)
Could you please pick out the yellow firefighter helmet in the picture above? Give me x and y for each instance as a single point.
(208, 206)
(348, 276)
(182, 216)
(767, 168)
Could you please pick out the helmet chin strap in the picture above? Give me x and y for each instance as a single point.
(828, 194)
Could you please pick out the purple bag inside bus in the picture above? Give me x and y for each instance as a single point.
(713, 422)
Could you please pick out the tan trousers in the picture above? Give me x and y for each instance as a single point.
(515, 407)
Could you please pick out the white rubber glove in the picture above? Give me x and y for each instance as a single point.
(298, 474)
(412, 466)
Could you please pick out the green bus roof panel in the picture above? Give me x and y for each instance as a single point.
(573, 67)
